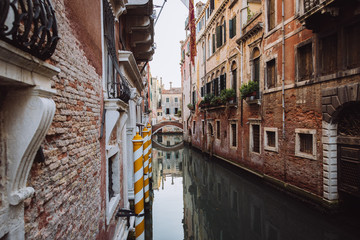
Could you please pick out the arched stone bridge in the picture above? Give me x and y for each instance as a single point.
(165, 148)
(160, 125)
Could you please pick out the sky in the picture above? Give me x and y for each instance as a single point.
(169, 31)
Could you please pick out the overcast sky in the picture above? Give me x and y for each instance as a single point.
(169, 31)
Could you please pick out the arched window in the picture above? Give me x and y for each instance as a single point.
(220, 32)
(255, 60)
(222, 79)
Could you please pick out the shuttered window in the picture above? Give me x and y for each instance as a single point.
(232, 27)
(224, 33)
(213, 43)
(218, 129)
(216, 87)
(202, 91)
(233, 134)
(222, 82)
(304, 62)
(352, 39)
(256, 70)
(256, 138)
(271, 14)
(218, 36)
(208, 88)
(328, 54)
(270, 74)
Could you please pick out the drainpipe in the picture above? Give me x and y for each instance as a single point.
(283, 67)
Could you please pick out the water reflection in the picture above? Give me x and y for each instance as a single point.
(200, 199)
(219, 204)
(167, 208)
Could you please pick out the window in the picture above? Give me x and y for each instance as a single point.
(193, 130)
(212, 6)
(271, 73)
(194, 97)
(220, 33)
(176, 110)
(232, 27)
(328, 54)
(271, 139)
(233, 135)
(352, 46)
(255, 138)
(168, 156)
(213, 43)
(271, 14)
(210, 129)
(167, 99)
(159, 138)
(167, 143)
(203, 127)
(113, 187)
(305, 143)
(167, 111)
(202, 91)
(176, 99)
(209, 45)
(208, 88)
(255, 65)
(304, 62)
(218, 129)
(216, 87)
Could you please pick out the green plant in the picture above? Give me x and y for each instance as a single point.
(190, 106)
(179, 113)
(208, 98)
(228, 94)
(249, 88)
(216, 101)
(202, 103)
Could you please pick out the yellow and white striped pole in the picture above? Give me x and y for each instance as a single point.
(150, 150)
(146, 164)
(139, 185)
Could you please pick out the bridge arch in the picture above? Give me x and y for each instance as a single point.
(160, 125)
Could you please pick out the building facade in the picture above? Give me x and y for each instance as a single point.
(295, 81)
(70, 103)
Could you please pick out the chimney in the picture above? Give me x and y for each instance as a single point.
(170, 85)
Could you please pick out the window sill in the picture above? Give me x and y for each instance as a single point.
(305, 155)
(271, 149)
(111, 207)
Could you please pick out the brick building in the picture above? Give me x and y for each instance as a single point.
(298, 130)
(70, 101)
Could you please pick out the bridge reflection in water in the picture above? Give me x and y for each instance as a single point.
(200, 199)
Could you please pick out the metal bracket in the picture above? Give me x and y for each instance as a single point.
(128, 213)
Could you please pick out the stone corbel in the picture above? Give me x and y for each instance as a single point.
(29, 113)
(113, 108)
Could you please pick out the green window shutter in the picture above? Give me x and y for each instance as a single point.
(218, 34)
(234, 26)
(231, 28)
(224, 33)
(213, 43)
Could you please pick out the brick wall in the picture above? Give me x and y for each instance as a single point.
(67, 196)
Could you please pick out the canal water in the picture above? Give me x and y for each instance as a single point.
(197, 198)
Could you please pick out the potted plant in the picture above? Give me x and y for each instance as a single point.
(191, 107)
(207, 99)
(202, 103)
(216, 101)
(228, 95)
(249, 89)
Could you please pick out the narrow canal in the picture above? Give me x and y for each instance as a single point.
(197, 198)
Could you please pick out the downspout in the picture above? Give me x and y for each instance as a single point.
(244, 8)
(283, 78)
(283, 67)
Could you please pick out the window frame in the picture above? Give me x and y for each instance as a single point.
(111, 203)
(218, 129)
(267, 73)
(298, 153)
(297, 60)
(266, 145)
(251, 142)
(231, 137)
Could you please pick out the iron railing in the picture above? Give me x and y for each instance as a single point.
(309, 4)
(29, 25)
(117, 84)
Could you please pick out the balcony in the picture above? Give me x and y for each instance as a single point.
(30, 26)
(315, 14)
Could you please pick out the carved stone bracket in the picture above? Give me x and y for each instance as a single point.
(29, 114)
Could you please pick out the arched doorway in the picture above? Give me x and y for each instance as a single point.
(348, 141)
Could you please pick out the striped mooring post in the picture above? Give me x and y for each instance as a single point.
(150, 150)
(139, 186)
(146, 164)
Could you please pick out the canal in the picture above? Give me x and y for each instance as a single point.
(197, 198)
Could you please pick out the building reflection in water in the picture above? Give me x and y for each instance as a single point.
(200, 199)
(220, 204)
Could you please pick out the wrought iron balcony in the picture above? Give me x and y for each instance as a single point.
(29, 25)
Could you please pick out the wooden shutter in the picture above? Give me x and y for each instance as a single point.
(213, 43)
(231, 34)
(256, 138)
(271, 14)
(224, 32)
(202, 91)
(218, 36)
(234, 26)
